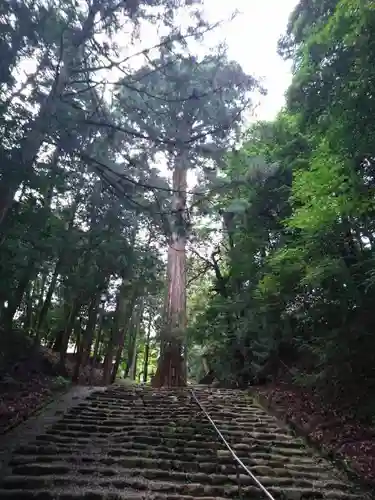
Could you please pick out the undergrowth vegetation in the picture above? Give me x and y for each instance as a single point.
(295, 293)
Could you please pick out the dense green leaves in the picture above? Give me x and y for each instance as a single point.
(299, 254)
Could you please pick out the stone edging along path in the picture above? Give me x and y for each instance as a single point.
(339, 460)
(45, 415)
(44, 402)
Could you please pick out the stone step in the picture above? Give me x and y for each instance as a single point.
(214, 477)
(259, 467)
(198, 443)
(142, 443)
(95, 419)
(185, 454)
(177, 428)
(183, 434)
(144, 412)
(181, 486)
(107, 486)
(90, 494)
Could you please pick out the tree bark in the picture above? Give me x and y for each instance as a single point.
(47, 300)
(16, 299)
(107, 364)
(84, 347)
(134, 352)
(118, 357)
(123, 326)
(58, 266)
(68, 330)
(171, 366)
(114, 338)
(99, 335)
(133, 367)
(147, 351)
(29, 307)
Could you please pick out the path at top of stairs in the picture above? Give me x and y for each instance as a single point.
(132, 443)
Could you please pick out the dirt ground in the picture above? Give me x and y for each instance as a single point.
(30, 384)
(333, 431)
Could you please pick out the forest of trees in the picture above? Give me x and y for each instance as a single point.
(95, 97)
(267, 262)
(296, 279)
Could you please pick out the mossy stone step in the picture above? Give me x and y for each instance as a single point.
(270, 469)
(96, 471)
(145, 443)
(194, 489)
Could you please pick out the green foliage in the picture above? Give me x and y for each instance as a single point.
(299, 242)
(60, 383)
(80, 222)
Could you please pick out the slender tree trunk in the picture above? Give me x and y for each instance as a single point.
(132, 349)
(68, 330)
(123, 325)
(77, 332)
(60, 262)
(107, 365)
(99, 334)
(114, 336)
(133, 367)
(16, 299)
(171, 370)
(90, 329)
(119, 350)
(205, 365)
(39, 308)
(84, 347)
(41, 290)
(28, 308)
(98, 340)
(47, 301)
(147, 351)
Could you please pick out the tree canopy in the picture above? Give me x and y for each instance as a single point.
(88, 111)
(296, 281)
(270, 256)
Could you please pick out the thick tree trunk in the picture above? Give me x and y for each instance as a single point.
(171, 366)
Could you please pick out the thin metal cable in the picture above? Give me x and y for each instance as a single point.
(256, 481)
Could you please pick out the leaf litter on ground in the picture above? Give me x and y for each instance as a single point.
(333, 430)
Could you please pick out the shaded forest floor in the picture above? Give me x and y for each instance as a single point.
(335, 432)
(31, 381)
(20, 397)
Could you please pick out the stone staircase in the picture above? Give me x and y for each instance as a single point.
(132, 443)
